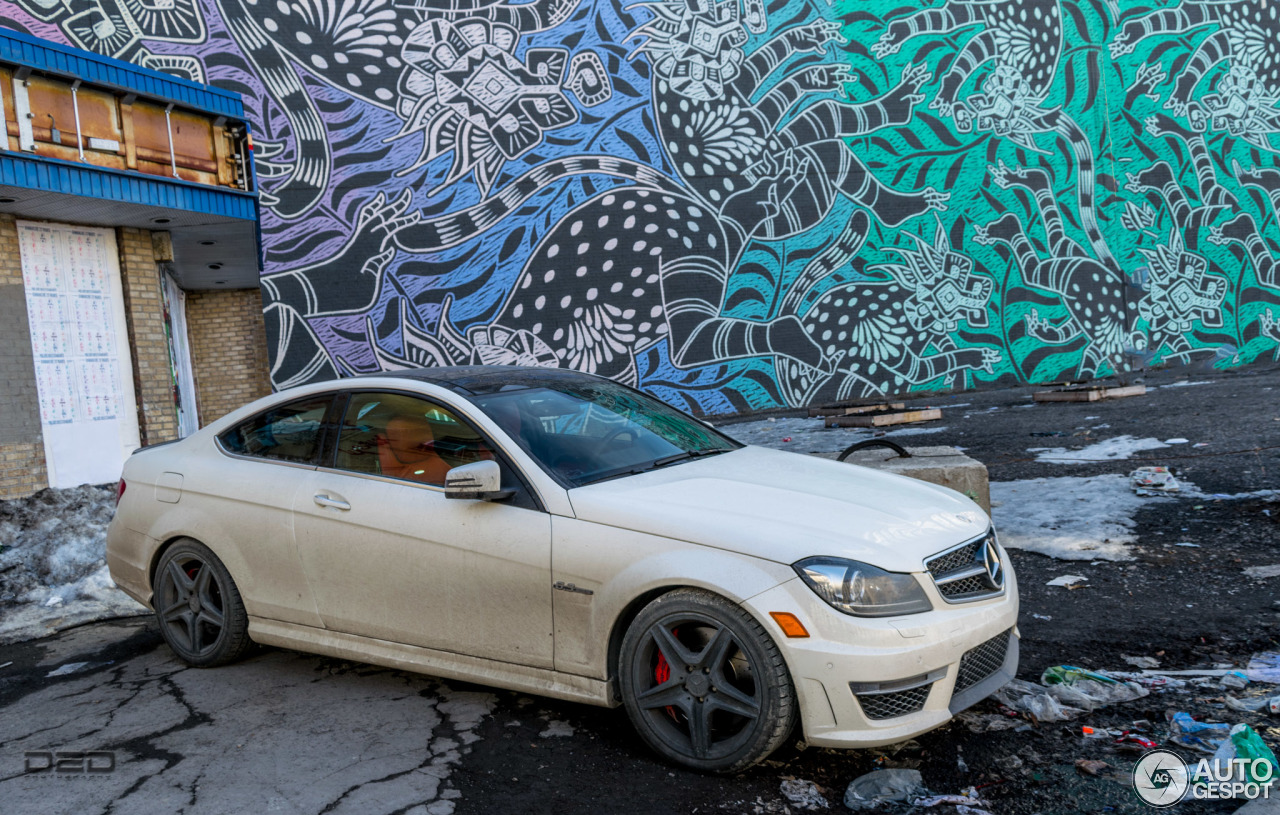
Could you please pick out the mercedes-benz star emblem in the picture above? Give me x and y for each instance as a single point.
(991, 562)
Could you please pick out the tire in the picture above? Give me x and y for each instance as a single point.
(198, 606)
(732, 710)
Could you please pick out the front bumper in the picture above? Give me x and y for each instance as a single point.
(866, 682)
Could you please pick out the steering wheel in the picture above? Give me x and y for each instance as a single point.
(604, 442)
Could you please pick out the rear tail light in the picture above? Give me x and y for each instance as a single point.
(120, 491)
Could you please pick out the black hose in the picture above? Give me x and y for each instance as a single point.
(865, 443)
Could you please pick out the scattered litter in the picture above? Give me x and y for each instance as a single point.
(556, 728)
(1089, 393)
(1115, 449)
(786, 439)
(69, 668)
(7, 664)
(1153, 481)
(1045, 617)
(1252, 705)
(1134, 743)
(1215, 672)
(1264, 667)
(1142, 662)
(1067, 580)
(965, 803)
(804, 794)
(1088, 690)
(1234, 680)
(1201, 444)
(1092, 766)
(1202, 736)
(1243, 743)
(1034, 702)
(880, 787)
(1260, 572)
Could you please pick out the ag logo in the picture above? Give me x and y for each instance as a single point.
(1160, 778)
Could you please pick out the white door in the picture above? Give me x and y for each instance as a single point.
(389, 557)
(80, 346)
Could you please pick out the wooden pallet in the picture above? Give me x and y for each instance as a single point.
(1089, 394)
(853, 411)
(884, 418)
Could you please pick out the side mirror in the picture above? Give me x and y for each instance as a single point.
(480, 480)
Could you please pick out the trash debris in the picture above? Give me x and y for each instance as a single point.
(880, 787)
(1092, 766)
(786, 438)
(1142, 662)
(1202, 736)
(1088, 690)
(1244, 743)
(7, 664)
(1134, 742)
(1260, 572)
(1009, 764)
(803, 794)
(967, 804)
(1044, 617)
(1147, 481)
(1094, 733)
(1234, 679)
(1252, 705)
(1035, 702)
(1264, 667)
(1068, 581)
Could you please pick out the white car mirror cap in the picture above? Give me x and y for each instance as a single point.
(481, 480)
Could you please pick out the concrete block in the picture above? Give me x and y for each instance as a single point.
(946, 466)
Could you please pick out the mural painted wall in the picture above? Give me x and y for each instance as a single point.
(744, 204)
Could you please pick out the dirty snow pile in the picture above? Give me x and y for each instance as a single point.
(1119, 448)
(1068, 518)
(52, 569)
(800, 435)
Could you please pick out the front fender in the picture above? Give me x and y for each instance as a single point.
(604, 573)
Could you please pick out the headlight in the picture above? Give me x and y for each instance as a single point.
(861, 589)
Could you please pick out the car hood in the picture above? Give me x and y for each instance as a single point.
(785, 507)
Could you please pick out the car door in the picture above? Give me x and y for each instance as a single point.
(389, 557)
(245, 497)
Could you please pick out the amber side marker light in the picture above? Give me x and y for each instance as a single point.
(790, 626)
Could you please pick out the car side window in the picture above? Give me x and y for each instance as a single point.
(289, 432)
(400, 436)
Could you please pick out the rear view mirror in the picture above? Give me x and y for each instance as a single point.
(481, 480)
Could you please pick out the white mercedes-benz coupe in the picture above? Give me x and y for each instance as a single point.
(561, 534)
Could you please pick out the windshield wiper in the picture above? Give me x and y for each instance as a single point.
(636, 469)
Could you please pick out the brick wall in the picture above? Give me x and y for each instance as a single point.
(144, 313)
(22, 467)
(228, 350)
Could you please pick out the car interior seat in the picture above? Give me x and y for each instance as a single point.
(405, 451)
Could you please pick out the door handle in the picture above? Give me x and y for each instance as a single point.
(326, 501)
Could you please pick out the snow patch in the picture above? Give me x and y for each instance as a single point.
(557, 728)
(53, 573)
(1114, 449)
(1260, 572)
(1069, 518)
(1186, 383)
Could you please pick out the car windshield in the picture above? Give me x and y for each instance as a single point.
(586, 432)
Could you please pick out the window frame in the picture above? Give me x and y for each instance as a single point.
(322, 435)
(333, 432)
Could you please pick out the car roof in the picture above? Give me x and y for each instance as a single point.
(473, 380)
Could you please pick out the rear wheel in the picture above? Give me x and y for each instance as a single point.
(704, 684)
(198, 606)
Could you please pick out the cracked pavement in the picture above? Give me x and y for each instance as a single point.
(278, 732)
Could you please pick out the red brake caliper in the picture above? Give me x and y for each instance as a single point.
(662, 673)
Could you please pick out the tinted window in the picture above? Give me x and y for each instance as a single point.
(290, 432)
(400, 436)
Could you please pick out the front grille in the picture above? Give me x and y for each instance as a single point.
(959, 558)
(960, 574)
(984, 660)
(889, 705)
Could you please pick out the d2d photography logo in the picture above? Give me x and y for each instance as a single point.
(69, 763)
(1161, 778)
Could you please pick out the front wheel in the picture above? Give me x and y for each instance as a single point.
(199, 609)
(704, 684)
